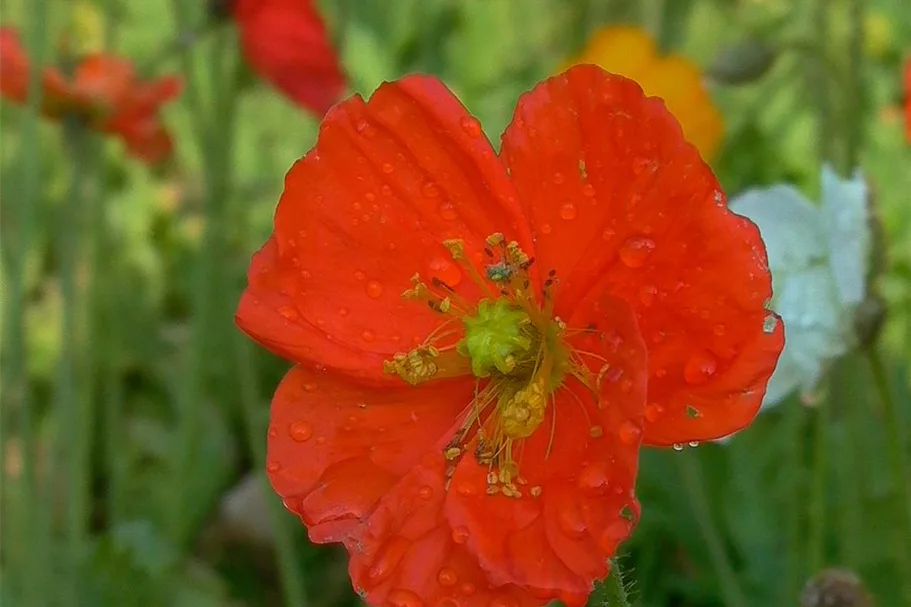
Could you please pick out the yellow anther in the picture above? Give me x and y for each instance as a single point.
(452, 453)
(456, 248)
(515, 255)
(414, 367)
(521, 414)
(495, 239)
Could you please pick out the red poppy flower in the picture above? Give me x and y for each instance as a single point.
(286, 42)
(476, 442)
(104, 91)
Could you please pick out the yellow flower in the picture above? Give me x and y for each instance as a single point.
(630, 52)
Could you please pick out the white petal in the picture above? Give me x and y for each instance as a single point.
(845, 216)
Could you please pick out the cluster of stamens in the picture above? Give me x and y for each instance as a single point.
(508, 340)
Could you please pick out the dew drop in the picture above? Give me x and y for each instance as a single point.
(343, 311)
(425, 492)
(430, 190)
(387, 168)
(593, 479)
(718, 330)
(607, 235)
(471, 126)
(288, 312)
(310, 387)
(403, 598)
(358, 275)
(368, 335)
(467, 588)
(661, 372)
(385, 190)
(467, 489)
(626, 385)
(273, 466)
(272, 431)
(568, 211)
(370, 197)
(571, 521)
(300, 431)
(678, 447)
(374, 289)
(588, 190)
(635, 251)
(559, 178)
(629, 433)
(693, 443)
(305, 274)
(647, 294)
(447, 211)
(445, 270)
(389, 558)
(365, 129)
(460, 535)
(545, 228)
(654, 412)
(700, 368)
(447, 577)
(769, 324)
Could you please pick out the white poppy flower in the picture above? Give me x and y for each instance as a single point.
(819, 257)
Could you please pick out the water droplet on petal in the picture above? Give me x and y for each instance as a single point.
(545, 228)
(593, 479)
(647, 294)
(571, 521)
(629, 433)
(343, 312)
(693, 443)
(425, 492)
(678, 447)
(358, 275)
(447, 211)
(559, 178)
(635, 251)
(388, 559)
(447, 577)
(374, 289)
(568, 210)
(430, 189)
(700, 368)
(607, 235)
(471, 126)
(653, 412)
(288, 312)
(467, 588)
(460, 535)
(588, 190)
(403, 598)
(718, 330)
(273, 466)
(310, 387)
(467, 489)
(769, 324)
(446, 271)
(387, 168)
(370, 197)
(300, 431)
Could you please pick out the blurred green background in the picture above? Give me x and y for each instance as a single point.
(134, 412)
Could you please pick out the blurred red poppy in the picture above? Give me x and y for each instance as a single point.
(285, 42)
(586, 292)
(103, 91)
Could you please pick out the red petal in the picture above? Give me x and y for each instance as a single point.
(335, 448)
(286, 42)
(367, 208)
(583, 458)
(617, 197)
(406, 554)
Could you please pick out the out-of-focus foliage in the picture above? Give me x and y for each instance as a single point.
(168, 404)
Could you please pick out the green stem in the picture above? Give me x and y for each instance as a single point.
(691, 473)
(292, 581)
(817, 514)
(73, 442)
(611, 592)
(898, 464)
(794, 466)
(818, 79)
(852, 117)
(16, 390)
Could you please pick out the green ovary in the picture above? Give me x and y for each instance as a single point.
(498, 338)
